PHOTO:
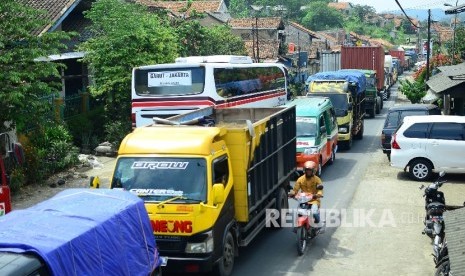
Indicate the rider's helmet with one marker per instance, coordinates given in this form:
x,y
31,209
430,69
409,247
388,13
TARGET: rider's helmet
x,y
310,165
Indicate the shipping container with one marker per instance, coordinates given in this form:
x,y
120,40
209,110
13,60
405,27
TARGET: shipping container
x,y
400,54
330,61
365,57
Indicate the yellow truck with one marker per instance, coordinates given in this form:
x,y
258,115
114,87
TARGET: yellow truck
x,y
346,89
208,178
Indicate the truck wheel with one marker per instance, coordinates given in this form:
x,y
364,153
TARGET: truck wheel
x,y
359,135
282,203
371,112
378,107
226,263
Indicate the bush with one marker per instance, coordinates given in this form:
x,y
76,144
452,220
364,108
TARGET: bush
x,y
116,131
48,150
87,128
17,180
414,91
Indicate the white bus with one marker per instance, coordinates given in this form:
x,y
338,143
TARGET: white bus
x,y
191,83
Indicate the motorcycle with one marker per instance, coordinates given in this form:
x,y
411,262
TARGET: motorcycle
x,y
435,206
303,227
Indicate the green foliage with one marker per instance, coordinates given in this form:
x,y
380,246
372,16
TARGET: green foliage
x,y
116,131
87,128
17,179
221,41
126,35
48,150
23,80
414,91
239,8
320,17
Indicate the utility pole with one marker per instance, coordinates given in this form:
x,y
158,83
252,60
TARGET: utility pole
x,y
428,44
455,27
298,57
253,43
256,34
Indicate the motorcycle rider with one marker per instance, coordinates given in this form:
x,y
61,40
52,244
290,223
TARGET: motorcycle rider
x,y
310,183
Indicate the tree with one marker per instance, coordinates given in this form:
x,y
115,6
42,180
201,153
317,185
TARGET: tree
x,y
221,41
26,82
320,17
362,11
125,35
239,8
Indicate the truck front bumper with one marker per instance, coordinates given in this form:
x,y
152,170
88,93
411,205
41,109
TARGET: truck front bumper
x,y
343,136
189,264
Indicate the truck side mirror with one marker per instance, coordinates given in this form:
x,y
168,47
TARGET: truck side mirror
x,y
94,182
218,193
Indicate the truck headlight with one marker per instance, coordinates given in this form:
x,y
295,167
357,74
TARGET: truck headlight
x,y
309,151
201,247
343,129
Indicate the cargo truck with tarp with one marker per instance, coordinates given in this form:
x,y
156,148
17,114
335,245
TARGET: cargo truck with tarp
x,y
208,178
346,89
80,232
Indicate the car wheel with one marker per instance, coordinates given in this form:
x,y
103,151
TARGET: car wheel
x,y
320,168
333,156
421,169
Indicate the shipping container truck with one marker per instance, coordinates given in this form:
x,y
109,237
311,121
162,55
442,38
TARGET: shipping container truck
x,y
367,58
400,54
330,61
346,89
207,178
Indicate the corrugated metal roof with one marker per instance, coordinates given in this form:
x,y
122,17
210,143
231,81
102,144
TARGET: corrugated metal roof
x,y
440,82
455,235
453,70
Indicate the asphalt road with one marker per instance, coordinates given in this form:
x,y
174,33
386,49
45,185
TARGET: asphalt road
x,y
274,252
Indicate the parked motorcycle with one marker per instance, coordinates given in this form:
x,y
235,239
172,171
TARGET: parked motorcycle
x,y
303,227
435,205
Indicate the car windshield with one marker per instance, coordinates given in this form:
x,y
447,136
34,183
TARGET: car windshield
x,y
306,126
160,179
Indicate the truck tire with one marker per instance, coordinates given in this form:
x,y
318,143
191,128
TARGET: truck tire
x,y
378,106
371,112
282,203
359,135
226,263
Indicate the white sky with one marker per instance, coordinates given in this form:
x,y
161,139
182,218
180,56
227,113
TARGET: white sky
x,y
391,5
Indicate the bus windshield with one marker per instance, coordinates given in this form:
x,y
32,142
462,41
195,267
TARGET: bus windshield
x,y
169,81
159,179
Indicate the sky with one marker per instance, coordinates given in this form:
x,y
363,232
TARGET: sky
x,y
391,5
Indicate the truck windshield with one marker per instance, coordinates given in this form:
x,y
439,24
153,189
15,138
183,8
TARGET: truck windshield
x,y
370,82
159,179
306,126
339,101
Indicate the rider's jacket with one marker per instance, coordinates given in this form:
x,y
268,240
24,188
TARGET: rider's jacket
x,y
308,185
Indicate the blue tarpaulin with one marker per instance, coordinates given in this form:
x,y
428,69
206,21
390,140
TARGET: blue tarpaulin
x,y
353,76
85,232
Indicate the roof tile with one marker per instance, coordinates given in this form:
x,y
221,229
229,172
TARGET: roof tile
x,y
262,22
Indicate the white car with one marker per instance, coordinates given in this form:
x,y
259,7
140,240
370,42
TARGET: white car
x,y
426,144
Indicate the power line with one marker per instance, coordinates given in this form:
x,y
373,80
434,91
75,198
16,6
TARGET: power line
x,y
402,9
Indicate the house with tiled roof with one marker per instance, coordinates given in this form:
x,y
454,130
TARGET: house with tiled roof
x,y
343,7
216,12
263,36
67,15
